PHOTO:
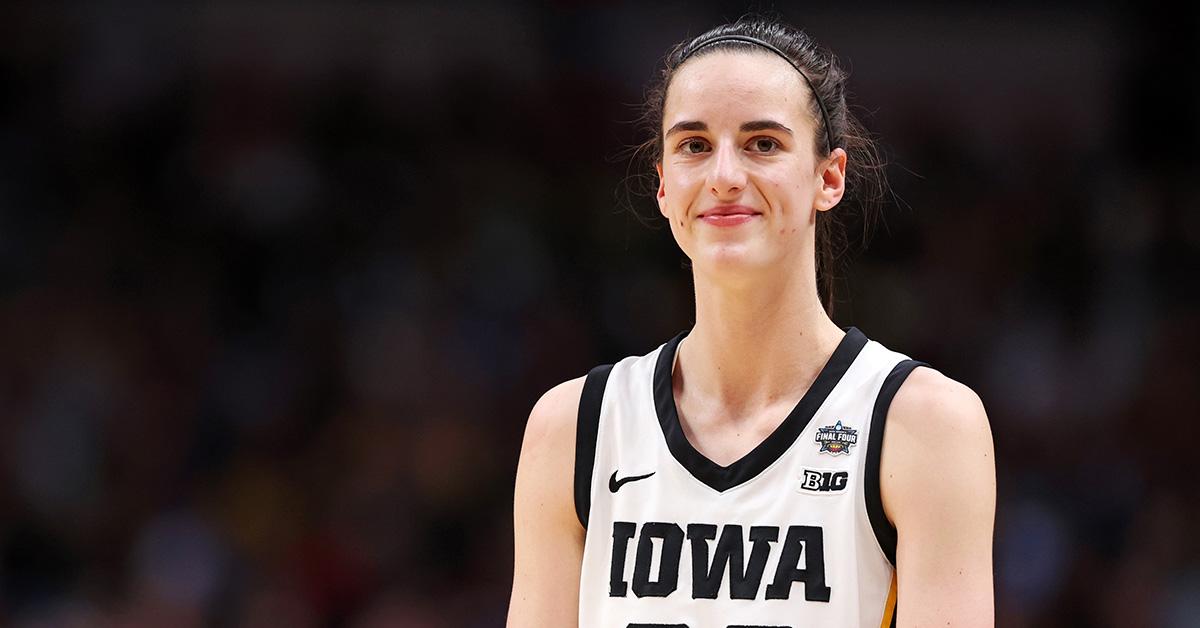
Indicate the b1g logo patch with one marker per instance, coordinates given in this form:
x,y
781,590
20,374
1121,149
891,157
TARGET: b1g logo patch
x,y
836,439
824,481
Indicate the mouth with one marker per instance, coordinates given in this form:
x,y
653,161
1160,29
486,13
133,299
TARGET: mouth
x,y
729,210
728,215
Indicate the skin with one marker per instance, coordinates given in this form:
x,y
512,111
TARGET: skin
x,y
738,133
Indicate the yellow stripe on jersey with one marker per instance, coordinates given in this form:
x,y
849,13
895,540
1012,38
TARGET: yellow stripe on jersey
x,y
889,607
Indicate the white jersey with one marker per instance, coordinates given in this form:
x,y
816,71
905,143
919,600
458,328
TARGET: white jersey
x,y
791,535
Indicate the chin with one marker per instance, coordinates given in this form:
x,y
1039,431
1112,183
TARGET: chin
x,y
732,260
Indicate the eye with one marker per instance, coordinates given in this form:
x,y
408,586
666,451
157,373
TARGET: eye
x,y
693,146
765,144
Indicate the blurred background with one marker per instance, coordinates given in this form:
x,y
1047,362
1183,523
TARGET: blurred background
x,y
279,284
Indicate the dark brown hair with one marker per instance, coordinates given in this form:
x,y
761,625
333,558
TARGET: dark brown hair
x,y
866,182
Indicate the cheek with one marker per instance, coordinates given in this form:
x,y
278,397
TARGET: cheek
x,y
790,202
794,194
680,194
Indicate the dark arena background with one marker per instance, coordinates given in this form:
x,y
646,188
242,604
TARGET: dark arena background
x,y
279,284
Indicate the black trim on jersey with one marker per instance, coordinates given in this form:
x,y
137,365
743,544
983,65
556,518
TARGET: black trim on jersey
x,y
885,533
724,478
585,438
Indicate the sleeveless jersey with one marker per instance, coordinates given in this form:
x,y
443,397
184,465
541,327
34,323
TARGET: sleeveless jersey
x,y
791,535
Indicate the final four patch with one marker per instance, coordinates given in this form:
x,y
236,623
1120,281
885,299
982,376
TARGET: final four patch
x,y
836,439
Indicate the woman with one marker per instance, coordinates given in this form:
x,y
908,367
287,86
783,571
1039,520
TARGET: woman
x,y
741,474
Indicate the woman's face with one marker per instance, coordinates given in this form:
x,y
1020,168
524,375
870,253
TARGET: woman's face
x,y
739,180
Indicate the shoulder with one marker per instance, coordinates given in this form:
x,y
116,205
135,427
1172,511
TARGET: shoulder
x,y
937,445
544,484
553,417
930,403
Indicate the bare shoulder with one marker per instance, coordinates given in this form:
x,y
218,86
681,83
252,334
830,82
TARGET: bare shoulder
x,y
929,403
545,471
937,436
552,421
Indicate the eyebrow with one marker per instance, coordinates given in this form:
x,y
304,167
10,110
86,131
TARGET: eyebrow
x,y
754,125
686,125
764,125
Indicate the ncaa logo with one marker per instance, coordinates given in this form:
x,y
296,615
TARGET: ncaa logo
x,y
823,481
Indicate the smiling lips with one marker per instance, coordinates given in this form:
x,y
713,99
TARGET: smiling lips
x,y
728,215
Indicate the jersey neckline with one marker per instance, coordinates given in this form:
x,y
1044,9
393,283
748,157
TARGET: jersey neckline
x,y
773,446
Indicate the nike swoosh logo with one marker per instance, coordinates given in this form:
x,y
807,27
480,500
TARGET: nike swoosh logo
x,y
615,485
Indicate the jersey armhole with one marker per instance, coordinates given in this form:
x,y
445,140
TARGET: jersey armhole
x,y
585,438
885,533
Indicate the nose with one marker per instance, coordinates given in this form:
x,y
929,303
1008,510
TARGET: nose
x,y
727,177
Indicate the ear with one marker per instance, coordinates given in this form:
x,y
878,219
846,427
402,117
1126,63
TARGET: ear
x,y
833,181
662,191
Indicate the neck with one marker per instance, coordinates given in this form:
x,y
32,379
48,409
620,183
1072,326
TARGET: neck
x,y
758,341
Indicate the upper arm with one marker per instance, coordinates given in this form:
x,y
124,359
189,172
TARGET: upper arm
x,y
938,485
547,534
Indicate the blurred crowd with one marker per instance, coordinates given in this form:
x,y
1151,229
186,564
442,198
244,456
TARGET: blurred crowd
x,y
279,285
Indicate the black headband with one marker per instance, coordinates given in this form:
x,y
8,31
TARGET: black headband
x,y
762,44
